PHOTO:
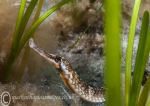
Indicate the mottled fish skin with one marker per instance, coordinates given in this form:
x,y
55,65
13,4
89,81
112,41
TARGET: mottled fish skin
x,y
70,77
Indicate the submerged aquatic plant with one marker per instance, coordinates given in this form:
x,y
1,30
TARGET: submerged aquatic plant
x,y
113,53
141,60
130,49
21,37
114,96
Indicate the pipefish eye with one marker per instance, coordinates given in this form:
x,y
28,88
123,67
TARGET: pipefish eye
x,y
58,59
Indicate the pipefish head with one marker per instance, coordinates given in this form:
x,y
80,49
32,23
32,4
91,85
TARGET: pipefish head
x,y
55,60
60,63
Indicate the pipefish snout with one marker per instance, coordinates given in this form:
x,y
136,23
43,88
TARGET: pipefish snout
x,y
70,77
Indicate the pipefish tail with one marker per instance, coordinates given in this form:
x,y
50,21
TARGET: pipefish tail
x,y
70,77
